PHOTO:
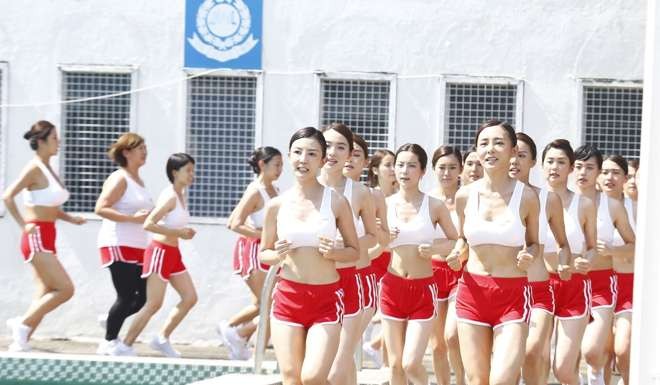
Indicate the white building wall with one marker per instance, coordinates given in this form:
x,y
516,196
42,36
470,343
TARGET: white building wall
x,y
548,45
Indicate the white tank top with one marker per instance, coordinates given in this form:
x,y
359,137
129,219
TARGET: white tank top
x,y
177,218
134,199
440,234
543,216
416,231
52,195
257,217
357,221
630,210
307,233
574,231
506,230
605,229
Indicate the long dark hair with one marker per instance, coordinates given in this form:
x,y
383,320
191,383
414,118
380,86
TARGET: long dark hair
x,y
262,153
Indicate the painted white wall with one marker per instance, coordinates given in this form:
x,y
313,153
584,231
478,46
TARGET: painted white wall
x,y
549,45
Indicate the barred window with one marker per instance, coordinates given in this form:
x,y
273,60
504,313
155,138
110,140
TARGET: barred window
x,y
89,128
613,119
468,105
221,122
363,105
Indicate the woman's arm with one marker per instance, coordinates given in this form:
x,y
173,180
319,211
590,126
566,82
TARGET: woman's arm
x,y
272,251
368,215
555,214
459,253
113,189
441,217
25,180
350,251
622,225
531,207
246,206
163,206
589,225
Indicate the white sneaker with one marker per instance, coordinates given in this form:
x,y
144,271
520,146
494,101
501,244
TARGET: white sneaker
x,y
373,354
102,319
16,348
236,344
244,353
19,333
105,346
163,345
595,377
121,349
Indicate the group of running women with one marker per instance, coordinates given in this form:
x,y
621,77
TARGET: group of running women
x,y
484,269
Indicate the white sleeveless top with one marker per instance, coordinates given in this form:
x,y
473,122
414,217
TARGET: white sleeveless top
x,y
52,196
605,229
357,221
257,217
630,210
416,231
307,233
440,234
573,229
134,199
177,218
543,216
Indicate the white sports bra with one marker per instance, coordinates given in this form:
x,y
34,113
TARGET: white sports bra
x,y
357,221
630,210
508,231
307,233
257,217
573,229
52,195
177,218
416,231
543,216
440,234
605,229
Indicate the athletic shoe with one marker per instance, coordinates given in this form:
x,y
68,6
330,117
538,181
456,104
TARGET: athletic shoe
x,y
105,346
16,348
242,354
121,349
237,345
373,354
20,334
595,377
163,345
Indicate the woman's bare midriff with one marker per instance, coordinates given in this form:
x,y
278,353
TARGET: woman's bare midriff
x,y
41,213
307,265
601,262
538,272
407,263
495,261
170,241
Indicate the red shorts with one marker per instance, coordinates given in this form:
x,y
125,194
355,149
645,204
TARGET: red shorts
x,y
624,298
124,254
350,283
42,240
446,279
603,288
305,305
493,301
162,259
369,286
572,297
246,257
380,264
404,299
543,298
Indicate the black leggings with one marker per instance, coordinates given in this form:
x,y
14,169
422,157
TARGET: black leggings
x,y
131,295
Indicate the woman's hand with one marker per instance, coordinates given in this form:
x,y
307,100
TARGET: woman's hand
x,y
140,216
326,247
282,248
186,233
424,251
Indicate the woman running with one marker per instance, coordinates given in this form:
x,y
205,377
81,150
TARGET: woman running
x,y
611,215
299,233
266,162
498,218
447,165
339,139
630,188
571,295
43,197
163,263
408,292
536,366
612,181
124,204
473,170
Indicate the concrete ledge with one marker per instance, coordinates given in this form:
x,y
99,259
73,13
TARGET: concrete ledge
x,y
242,379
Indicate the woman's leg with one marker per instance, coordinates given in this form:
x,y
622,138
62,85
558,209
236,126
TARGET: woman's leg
x,y
155,294
508,353
536,367
125,278
394,334
476,343
183,284
453,347
568,336
343,369
320,351
622,344
255,282
439,346
289,345
416,341
596,336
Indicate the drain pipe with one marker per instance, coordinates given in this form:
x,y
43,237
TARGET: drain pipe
x,y
264,315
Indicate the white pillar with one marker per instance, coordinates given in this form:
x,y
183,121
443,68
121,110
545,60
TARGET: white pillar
x,y
645,354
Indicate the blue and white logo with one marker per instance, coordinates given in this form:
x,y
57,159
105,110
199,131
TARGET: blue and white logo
x,y
219,33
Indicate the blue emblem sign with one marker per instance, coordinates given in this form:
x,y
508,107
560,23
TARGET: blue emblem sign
x,y
223,34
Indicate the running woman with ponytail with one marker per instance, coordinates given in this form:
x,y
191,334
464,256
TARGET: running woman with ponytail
x,y
536,366
408,292
299,233
124,204
163,263
447,166
498,221
571,296
43,196
339,139
611,216
266,162
613,178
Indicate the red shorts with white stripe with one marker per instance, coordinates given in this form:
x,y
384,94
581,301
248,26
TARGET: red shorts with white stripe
x,y
305,305
162,259
369,286
572,297
603,288
350,283
624,298
543,298
124,254
404,299
246,257
493,301
41,240
446,278
380,264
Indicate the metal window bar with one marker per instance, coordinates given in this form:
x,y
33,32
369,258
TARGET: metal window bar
x,y
613,119
221,125
468,105
89,128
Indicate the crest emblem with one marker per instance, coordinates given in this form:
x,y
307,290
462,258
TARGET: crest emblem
x,y
223,30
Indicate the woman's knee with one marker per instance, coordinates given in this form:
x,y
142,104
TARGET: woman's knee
x,y
412,366
438,345
189,300
66,291
565,374
152,306
451,340
313,377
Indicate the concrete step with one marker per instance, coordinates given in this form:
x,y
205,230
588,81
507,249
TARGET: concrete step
x,y
242,379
